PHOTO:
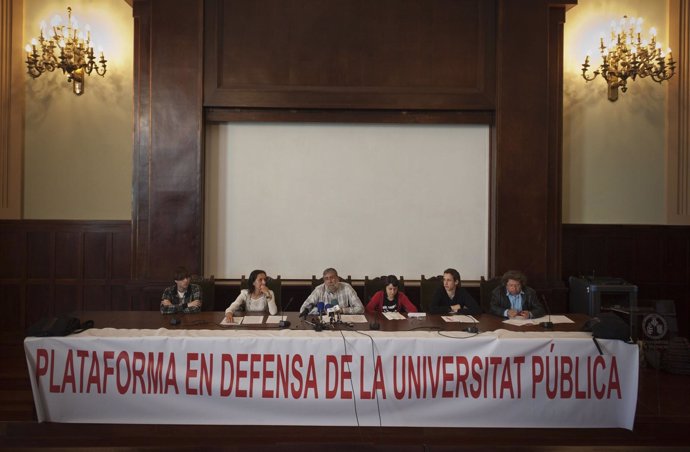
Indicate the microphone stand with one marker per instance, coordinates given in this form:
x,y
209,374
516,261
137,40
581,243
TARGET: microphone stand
x,y
548,325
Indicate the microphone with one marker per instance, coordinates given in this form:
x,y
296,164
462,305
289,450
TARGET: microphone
x,y
473,329
320,306
284,323
376,325
306,310
548,325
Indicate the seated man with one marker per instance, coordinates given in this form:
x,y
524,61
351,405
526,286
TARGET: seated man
x,y
453,299
514,299
333,292
181,297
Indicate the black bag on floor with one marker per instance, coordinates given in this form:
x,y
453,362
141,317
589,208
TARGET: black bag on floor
x,y
607,325
58,326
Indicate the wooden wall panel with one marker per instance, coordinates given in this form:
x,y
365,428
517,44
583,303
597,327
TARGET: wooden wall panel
x,y
57,266
97,297
168,181
67,254
96,255
385,54
121,268
11,296
40,253
13,255
655,258
39,302
66,298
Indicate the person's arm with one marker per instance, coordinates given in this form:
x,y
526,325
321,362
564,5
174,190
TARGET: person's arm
x,y
272,307
532,304
355,304
469,305
195,304
167,306
312,299
375,302
496,306
235,305
405,303
438,304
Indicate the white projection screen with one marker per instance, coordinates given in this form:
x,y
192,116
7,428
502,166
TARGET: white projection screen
x,y
293,199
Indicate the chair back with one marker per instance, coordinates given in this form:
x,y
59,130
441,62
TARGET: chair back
x,y
371,286
208,291
486,286
427,288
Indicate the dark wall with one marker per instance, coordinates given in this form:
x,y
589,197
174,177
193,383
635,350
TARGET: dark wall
x,y
655,258
49,267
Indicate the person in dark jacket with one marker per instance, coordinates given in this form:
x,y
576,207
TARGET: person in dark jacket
x,y
452,298
513,299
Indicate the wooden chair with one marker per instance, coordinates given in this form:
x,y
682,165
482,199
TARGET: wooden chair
x,y
208,291
427,288
486,286
371,286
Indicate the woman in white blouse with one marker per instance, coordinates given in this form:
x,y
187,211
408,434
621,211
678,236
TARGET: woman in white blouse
x,y
255,299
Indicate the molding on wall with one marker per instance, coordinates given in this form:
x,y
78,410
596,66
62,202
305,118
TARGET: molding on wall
x,y
678,117
12,79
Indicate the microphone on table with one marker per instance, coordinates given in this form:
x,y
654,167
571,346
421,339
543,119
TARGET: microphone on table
x,y
474,328
284,323
306,310
376,325
548,325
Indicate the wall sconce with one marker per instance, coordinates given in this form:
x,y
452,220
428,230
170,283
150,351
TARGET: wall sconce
x,y
627,56
76,56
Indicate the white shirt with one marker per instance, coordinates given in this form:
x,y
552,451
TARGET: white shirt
x,y
346,296
254,304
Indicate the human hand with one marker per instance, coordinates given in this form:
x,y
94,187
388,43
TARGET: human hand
x,y
524,314
166,303
228,316
195,303
455,308
512,313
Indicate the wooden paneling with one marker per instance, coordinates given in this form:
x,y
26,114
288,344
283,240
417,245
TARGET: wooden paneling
x,y
168,171
655,258
52,267
525,162
356,54
67,253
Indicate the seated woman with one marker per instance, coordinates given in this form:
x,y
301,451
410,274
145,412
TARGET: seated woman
x,y
255,299
392,300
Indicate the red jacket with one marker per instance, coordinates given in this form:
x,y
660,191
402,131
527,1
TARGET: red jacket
x,y
376,303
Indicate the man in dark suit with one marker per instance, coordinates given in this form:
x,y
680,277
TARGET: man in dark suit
x,y
513,299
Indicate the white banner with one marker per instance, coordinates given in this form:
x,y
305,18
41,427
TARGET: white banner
x,y
422,379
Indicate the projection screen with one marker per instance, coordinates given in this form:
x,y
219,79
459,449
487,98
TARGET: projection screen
x,y
293,199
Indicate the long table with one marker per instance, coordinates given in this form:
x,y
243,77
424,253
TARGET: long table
x,y
137,367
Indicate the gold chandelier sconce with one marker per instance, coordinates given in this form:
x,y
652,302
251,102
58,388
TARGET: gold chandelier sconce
x,y
64,47
627,56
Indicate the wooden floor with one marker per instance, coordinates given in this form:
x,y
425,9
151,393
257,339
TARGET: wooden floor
x,y
662,422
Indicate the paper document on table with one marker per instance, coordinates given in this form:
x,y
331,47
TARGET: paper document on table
x,y
274,319
353,318
234,322
553,319
253,320
459,318
394,316
412,315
